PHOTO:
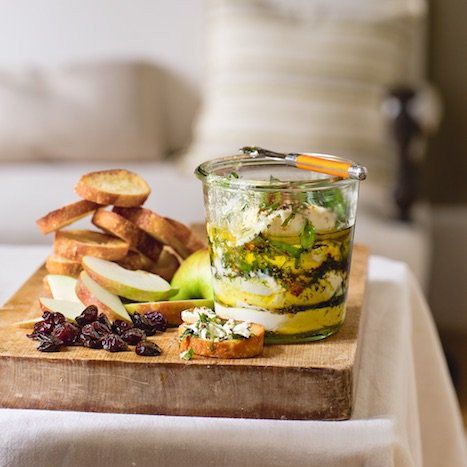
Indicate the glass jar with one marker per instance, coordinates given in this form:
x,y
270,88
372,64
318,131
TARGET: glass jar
x,y
280,242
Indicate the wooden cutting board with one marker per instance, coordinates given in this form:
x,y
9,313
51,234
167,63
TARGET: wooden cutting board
x,y
309,381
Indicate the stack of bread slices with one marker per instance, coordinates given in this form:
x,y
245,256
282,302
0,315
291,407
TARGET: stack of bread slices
x,y
133,236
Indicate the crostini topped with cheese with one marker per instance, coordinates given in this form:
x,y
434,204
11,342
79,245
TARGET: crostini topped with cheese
x,y
205,333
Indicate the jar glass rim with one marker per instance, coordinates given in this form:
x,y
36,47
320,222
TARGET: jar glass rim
x,y
206,172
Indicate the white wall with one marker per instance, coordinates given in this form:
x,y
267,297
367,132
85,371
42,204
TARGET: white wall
x,y
167,33
55,31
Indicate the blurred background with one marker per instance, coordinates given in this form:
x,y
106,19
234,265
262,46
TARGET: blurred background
x,y
159,86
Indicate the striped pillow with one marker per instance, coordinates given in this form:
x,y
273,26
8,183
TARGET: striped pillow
x,y
300,83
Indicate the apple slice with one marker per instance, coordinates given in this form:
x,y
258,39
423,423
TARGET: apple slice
x,y
61,287
194,278
68,309
27,323
171,310
141,286
91,293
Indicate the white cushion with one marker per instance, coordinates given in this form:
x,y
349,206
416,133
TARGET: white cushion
x,y
301,83
94,111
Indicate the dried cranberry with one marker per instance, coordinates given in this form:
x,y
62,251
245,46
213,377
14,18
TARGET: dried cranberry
x,y
66,332
150,322
102,318
89,342
141,322
114,343
95,330
41,328
119,326
155,320
133,335
53,317
49,344
137,321
148,349
87,316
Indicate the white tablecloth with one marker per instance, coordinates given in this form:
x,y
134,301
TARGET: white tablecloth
x,y
405,414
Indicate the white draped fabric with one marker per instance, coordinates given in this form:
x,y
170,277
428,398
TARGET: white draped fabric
x,y
405,414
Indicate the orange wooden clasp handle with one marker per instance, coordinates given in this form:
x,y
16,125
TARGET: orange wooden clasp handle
x,y
323,165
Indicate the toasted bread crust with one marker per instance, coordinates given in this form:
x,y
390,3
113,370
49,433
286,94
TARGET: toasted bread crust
x,y
113,187
134,260
65,215
156,226
74,244
186,235
232,348
167,264
45,284
137,239
56,264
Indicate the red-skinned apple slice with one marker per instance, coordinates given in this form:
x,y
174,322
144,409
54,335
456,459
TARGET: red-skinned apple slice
x,y
171,310
91,293
141,286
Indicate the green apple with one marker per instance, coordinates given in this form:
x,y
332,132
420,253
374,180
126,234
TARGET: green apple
x,y
67,308
171,310
61,287
91,293
193,278
141,286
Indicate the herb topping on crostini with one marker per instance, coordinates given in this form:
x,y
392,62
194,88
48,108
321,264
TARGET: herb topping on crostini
x,y
204,323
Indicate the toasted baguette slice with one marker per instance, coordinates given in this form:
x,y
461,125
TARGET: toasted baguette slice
x,y
74,244
167,264
56,264
119,187
156,226
165,267
186,235
134,260
231,348
137,239
65,215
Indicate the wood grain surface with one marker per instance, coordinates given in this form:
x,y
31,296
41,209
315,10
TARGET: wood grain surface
x,y
305,381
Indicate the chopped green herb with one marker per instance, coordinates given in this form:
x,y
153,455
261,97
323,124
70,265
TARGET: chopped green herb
x,y
307,237
286,248
273,179
185,333
270,202
244,266
187,354
203,318
233,175
332,199
288,219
